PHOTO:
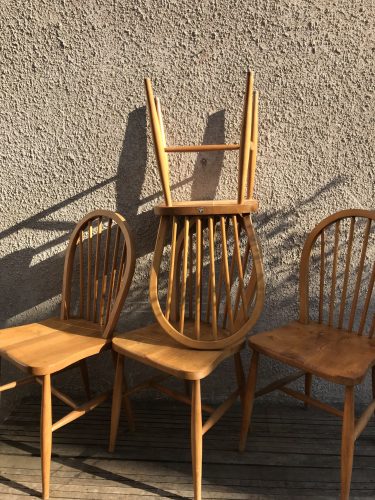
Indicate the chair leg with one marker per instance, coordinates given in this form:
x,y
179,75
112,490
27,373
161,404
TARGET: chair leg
x,y
240,377
373,382
196,438
116,402
46,434
347,443
249,400
308,384
85,377
125,400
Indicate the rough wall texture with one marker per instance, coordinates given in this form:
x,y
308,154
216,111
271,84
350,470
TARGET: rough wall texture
x,y
74,133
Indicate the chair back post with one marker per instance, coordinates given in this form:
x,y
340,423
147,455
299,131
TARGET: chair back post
x,y
159,141
338,283
246,136
106,268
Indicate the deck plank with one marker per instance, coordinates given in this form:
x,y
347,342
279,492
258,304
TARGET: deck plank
x,y
291,454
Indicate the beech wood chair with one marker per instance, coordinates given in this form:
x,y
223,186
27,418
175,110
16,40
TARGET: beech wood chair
x,y
337,274
104,274
206,287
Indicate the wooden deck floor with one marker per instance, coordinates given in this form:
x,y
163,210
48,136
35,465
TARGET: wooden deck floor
x,y
291,454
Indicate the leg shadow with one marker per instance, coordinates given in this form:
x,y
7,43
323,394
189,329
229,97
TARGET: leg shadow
x,y
208,166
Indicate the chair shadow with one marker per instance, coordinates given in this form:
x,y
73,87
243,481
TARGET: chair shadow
x,y
79,464
208,167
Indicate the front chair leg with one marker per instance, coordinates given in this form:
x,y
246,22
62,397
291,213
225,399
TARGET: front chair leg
x,y
249,399
347,443
46,434
116,401
196,438
125,400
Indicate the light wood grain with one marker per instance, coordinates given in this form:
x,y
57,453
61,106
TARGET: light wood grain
x,y
172,268
335,354
254,146
249,399
245,142
196,438
212,288
347,444
116,402
202,147
55,344
159,144
346,273
207,207
198,278
334,273
220,337
338,356
46,434
359,274
184,275
151,346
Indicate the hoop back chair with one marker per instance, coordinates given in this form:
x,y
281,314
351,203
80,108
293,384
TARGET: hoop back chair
x,y
333,338
206,284
100,255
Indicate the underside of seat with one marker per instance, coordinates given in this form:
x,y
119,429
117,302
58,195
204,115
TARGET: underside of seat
x,y
335,355
152,346
51,345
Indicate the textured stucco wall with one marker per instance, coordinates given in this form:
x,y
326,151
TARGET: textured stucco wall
x,y
74,134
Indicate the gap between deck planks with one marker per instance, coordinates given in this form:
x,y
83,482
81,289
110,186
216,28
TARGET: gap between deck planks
x,y
290,454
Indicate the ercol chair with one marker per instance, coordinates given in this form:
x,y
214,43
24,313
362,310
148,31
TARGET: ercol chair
x,y
101,247
208,262
337,274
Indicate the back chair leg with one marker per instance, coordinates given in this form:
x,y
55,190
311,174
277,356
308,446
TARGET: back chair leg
x,y
116,401
46,434
249,400
196,438
85,377
347,443
240,377
308,384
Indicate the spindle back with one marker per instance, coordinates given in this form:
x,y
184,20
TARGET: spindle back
x,y
212,270
99,267
337,272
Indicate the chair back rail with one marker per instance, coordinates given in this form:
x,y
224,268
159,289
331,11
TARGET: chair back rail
x,y
338,271
215,288
100,260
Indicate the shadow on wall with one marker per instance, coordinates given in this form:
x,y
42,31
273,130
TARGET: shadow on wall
x,y
28,285
206,176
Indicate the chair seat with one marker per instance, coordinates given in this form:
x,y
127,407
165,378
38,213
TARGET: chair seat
x,y
152,346
335,355
51,345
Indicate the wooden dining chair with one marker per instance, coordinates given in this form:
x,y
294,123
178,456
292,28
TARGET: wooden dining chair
x,y
206,288
98,269
333,337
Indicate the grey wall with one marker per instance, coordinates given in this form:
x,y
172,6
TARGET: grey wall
x,y
74,133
